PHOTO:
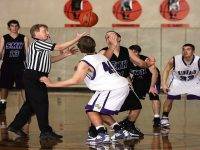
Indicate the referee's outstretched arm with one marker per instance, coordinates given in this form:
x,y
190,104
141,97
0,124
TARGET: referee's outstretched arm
x,y
67,44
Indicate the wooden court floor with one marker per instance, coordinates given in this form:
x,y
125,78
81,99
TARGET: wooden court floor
x,y
68,118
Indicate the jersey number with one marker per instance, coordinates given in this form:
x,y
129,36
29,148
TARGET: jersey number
x,y
107,67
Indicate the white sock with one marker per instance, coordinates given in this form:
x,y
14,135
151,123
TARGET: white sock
x,y
100,127
112,126
3,100
156,116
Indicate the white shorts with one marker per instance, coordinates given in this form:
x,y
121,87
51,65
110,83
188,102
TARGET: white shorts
x,y
108,102
178,87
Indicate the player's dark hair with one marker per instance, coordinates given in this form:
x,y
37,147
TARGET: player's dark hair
x,y
12,22
190,45
136,48
86,44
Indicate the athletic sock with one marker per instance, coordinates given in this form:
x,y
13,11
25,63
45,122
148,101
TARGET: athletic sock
x,y
101,129
116,127
2,100
156,116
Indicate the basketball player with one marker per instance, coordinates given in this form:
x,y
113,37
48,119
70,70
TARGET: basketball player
x,y
95,69
184,79
146,80
120,59
13,48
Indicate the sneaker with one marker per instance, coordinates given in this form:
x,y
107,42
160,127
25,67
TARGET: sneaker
x,y
2,107
101,138
121,134
18,132
130,127
92,132
156,122
165,122
135,132
50,136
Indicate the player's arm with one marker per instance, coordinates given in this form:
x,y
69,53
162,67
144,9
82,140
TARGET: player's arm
x,y
1,47
78,77
154,77
26,44
166,71
139,62
67,44
64,54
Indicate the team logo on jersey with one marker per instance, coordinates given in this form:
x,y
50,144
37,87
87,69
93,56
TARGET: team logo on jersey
x,y
187,75
14,45
120,64
97,106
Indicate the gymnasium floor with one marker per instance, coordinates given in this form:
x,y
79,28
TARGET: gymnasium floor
x,y
67,117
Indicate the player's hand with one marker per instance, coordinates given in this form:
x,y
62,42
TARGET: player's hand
x,y
79,35
165,88
150,61
153,90
45,80
70,51
112,40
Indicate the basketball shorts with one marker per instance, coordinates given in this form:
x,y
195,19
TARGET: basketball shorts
x,y
132,102
178,87
107,102
141,88
12,74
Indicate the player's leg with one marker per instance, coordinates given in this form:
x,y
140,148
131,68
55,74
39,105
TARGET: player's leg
x,y
132,103
6,83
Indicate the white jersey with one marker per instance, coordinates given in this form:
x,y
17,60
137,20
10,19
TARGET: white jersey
x,y
183,71
104,76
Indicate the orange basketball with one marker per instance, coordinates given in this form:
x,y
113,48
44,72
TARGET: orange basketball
x,y
88,19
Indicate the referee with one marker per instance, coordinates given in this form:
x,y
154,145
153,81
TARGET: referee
x,y
38,64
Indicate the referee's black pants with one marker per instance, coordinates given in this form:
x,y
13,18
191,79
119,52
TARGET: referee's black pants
x,y
36,102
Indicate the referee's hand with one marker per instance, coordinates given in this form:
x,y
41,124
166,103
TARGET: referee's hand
x,y
69,51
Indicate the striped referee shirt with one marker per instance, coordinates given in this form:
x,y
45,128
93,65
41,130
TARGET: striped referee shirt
x,y
38,56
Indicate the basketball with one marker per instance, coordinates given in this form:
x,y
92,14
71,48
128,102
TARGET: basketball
x,y
88,19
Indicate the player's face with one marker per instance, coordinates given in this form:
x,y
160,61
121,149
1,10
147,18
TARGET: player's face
x,y
42,34
14,28
187,52
111,33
